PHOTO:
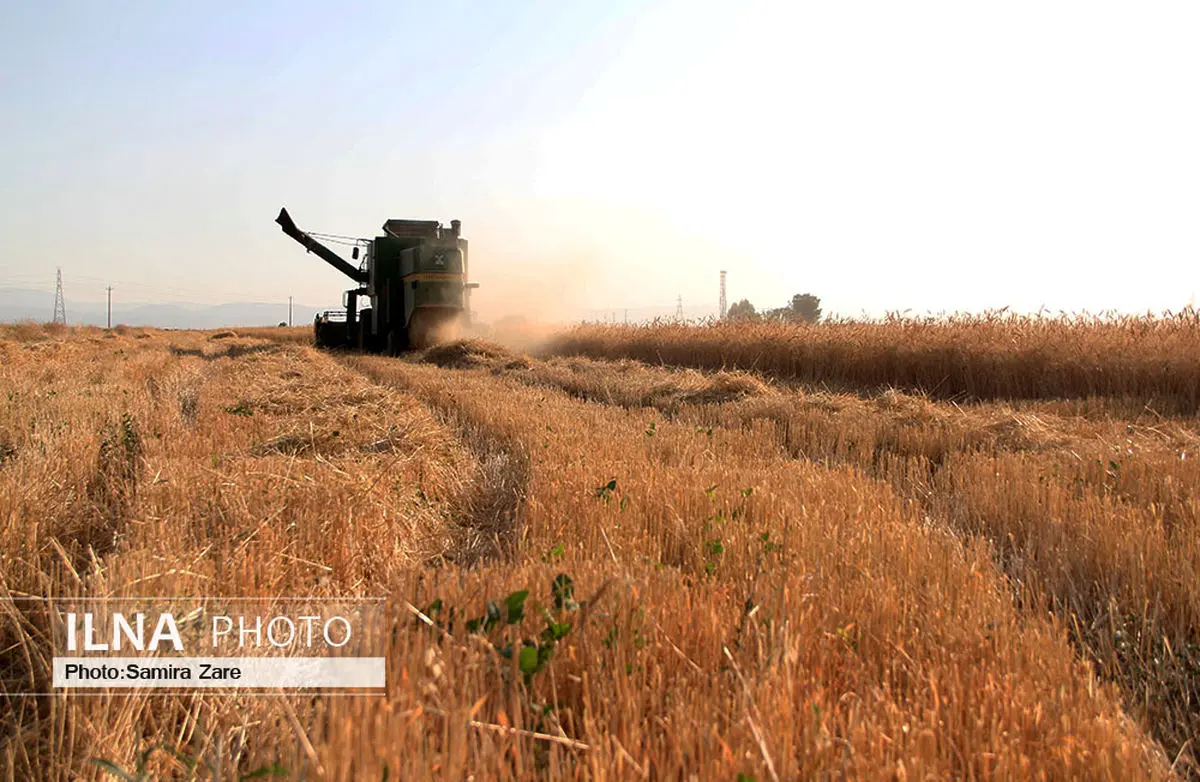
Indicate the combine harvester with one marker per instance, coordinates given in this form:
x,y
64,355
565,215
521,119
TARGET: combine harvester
x,y
415,278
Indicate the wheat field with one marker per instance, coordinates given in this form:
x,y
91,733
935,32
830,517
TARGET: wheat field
x,y
963,548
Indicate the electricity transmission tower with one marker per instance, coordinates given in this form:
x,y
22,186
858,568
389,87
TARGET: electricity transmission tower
x,y
60,306
722,306
679,306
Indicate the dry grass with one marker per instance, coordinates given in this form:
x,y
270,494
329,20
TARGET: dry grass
x,y
779,583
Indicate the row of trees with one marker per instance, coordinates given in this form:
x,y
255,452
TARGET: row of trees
x,y
803,307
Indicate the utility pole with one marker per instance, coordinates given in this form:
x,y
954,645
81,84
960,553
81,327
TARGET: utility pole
x,y
289,310
60,306
110,306
722,295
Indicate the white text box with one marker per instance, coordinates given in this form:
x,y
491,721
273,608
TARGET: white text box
x,y
219,672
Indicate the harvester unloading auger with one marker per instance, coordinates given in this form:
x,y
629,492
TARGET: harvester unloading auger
x,y
415,278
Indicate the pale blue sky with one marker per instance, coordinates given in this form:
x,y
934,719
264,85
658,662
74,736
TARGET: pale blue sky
x,y
916,155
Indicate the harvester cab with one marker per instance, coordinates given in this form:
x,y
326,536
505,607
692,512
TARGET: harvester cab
x,y
413,279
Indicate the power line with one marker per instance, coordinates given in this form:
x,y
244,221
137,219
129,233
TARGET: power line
x,y
101,283
96,285
159,289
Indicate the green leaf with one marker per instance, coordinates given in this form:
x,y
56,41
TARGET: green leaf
x,y
516,606
564,592
528,660
556,631
747,492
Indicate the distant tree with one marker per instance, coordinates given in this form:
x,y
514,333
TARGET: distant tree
x,y
803,307
282,324
806,306
742,310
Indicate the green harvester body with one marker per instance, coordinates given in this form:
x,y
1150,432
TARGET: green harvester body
x,y
412,288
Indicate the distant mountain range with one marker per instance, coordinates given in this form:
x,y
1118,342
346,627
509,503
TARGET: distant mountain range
x,y
18,304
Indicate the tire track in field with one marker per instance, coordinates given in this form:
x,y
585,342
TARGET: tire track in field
x,y
491,514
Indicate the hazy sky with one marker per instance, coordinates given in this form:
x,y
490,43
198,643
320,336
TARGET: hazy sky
x,y
882,155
